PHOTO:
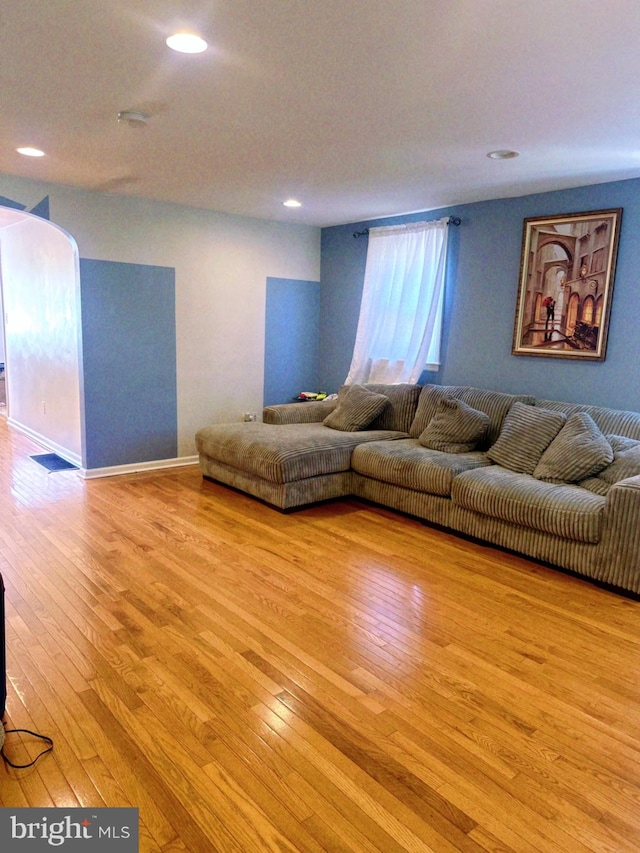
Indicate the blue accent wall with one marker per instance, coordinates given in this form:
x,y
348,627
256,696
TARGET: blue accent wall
x,y
129,363
15,205
291,339
480,302
41,209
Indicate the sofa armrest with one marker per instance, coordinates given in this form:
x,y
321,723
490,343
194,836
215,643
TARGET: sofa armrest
x,y
298,413
619,562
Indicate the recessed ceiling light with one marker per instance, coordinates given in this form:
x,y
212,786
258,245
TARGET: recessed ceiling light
x,y
503,154
187,43
132,118
30,152
292,202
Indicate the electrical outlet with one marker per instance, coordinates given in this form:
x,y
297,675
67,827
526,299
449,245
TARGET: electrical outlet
x,y
44,408
250,417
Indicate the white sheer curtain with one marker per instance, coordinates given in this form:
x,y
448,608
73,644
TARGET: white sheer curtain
x,y
401,310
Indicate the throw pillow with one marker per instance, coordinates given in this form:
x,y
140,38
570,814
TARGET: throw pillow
x,y
526,433
579,451
626,459
357,408
455,427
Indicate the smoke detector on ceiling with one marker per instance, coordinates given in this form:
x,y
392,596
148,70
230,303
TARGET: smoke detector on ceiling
x,y
503,154
132,118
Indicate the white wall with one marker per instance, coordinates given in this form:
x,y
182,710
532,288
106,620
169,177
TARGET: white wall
x,y
41,306
222,263
1,311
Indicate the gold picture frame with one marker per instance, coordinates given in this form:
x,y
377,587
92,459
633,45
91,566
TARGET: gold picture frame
x,y
566,284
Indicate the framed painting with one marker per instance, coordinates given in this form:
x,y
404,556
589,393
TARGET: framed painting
x,y
566,284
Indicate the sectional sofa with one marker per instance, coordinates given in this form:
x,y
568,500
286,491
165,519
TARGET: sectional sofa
x,y
558,482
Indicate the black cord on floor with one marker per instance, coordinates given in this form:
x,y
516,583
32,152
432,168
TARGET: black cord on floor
x,y
27,732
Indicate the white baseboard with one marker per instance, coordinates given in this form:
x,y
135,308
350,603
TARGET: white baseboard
x,y
46,443
137,467
93,473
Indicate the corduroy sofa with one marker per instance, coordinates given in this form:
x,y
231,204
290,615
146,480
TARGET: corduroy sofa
x,y
558,482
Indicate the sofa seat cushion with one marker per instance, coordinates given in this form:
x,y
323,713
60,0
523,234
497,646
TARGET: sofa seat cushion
x,y
287,452
567,511
407,463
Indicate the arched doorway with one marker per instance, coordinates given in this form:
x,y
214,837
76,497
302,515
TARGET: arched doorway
x,y
40,279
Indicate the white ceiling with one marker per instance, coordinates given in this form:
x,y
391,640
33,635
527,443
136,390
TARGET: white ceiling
x,y
358,108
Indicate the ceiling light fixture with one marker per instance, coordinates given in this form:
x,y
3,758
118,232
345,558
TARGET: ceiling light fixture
x,y
132,118
187,43
28,151
503,154
292,202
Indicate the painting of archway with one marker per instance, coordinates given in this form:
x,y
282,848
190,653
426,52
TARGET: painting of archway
x,y
566,284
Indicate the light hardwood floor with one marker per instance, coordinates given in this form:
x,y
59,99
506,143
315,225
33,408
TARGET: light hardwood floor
x,y
338,679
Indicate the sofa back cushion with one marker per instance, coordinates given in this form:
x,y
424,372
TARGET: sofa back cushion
x,y
609,421
401,406
496,404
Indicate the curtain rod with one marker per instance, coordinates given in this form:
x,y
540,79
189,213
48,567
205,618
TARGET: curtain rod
x,y
453,220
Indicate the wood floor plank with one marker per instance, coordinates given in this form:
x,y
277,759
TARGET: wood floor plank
x,y
341,678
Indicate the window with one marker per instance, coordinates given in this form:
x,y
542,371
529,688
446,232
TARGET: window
x,y
400,321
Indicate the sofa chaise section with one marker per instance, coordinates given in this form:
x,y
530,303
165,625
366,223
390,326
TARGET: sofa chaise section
x,y
287,465
301,452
